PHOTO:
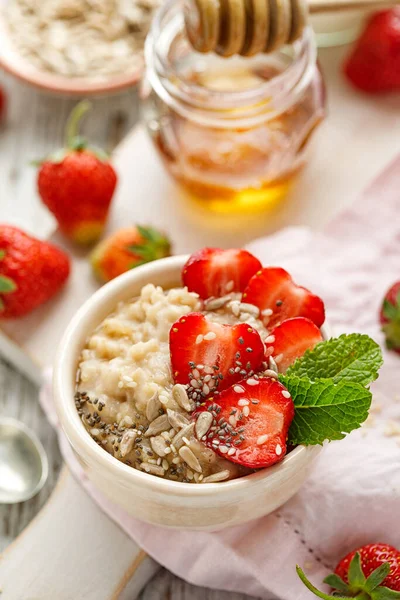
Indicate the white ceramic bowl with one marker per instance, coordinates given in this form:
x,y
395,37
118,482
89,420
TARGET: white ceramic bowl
x,y
208,506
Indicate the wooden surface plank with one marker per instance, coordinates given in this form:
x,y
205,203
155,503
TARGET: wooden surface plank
x,y
34,127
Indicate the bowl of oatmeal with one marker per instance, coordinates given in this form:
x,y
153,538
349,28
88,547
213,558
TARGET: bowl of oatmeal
x,y
75,47
168,392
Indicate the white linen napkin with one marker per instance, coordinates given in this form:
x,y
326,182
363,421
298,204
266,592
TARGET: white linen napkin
x,y
353,494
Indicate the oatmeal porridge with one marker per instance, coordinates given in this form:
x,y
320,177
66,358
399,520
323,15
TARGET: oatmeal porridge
x,y
126,395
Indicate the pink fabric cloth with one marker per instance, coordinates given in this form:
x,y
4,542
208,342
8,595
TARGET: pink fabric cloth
x,y
353,494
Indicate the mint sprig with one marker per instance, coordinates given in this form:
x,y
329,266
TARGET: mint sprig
x,y
328,388
354,357
325,410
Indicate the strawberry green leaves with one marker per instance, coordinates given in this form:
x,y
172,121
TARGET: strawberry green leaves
x,y
325,410
328,388
359,587
353,357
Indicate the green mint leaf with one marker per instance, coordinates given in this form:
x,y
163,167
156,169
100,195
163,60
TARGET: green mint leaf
x,y
7,285
354,357
325,410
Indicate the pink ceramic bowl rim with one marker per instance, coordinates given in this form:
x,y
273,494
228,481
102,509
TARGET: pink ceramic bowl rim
x,y
85,320
15,64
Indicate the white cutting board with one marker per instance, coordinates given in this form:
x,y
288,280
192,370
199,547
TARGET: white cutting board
x,y
359,138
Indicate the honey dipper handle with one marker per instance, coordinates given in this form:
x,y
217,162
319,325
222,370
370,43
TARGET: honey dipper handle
x,y
321,6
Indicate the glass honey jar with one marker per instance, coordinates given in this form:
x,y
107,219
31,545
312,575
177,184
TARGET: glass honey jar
x,y
232,131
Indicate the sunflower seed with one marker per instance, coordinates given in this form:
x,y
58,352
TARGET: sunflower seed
x,y
186,432
128,439
249,308
203,424
176,420
220,476
216,303
157,426
179,394
153,407
153,469
190,459
159,445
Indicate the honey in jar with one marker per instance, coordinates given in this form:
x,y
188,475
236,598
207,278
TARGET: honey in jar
x,y
232,131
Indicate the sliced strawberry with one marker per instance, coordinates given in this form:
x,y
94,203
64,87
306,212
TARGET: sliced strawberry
x,y
216,272
253,418
289,340
209,356
273,289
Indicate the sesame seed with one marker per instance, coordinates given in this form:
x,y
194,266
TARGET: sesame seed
x,y
206,389
243,402
208,370
278,358
199,339
278,449
270,339
215,442
237,370
223,449
241,340
211,335
196,373
246,411
207,378
252,381
194,383
286,394
232,420
200,367
267,312
230,285
262,439
231,451
238,389
270,373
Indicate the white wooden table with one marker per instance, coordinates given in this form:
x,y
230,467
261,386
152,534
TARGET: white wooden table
x,y
34,127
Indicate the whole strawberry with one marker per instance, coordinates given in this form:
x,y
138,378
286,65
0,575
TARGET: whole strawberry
x,y
371,572
390,317
31,272
374,64
77,184
126,249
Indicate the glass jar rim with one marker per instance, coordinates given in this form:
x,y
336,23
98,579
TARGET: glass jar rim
x,y
203,103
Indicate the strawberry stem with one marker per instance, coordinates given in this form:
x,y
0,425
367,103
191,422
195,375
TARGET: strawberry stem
x,y
72,138
319,594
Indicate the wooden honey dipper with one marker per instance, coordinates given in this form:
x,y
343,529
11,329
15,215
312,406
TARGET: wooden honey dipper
x,y
248,27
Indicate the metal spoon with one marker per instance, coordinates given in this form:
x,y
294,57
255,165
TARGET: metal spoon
x,y
23,462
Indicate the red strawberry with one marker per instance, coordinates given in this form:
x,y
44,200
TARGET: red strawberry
x,y
289,341
390,317
253,418
215,272
371,572
77,185
126,249
208,355
31,272
374,64
273,289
